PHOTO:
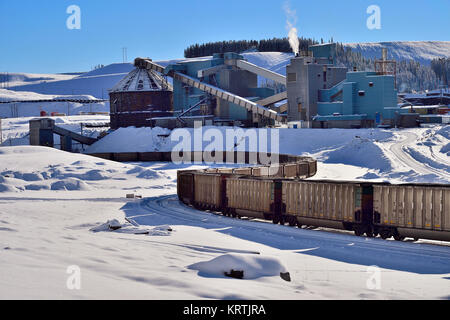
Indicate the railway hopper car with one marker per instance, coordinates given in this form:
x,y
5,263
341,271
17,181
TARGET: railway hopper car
x,y
185,186
281,194
253,197
209,191
415,211
331,204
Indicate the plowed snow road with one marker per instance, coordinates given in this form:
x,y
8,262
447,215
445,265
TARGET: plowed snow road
x,y
398,150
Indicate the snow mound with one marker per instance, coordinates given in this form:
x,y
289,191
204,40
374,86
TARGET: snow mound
x,y
254,266
445,132
5,186
361,153
446,149
130,139
149,174
70,184
115,226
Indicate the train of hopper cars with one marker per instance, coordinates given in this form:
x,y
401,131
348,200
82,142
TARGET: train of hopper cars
x,y
281,194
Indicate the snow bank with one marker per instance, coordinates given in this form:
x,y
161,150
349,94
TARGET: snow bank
x,y
254,266
292,141
40,168
130,139
354,154
70,184
361,153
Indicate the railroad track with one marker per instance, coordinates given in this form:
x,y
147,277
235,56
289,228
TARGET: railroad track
x,y
332,245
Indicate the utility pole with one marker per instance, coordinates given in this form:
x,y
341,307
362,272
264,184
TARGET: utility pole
x,y
124,55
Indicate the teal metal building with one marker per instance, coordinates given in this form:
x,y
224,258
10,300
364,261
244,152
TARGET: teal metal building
x,y
363,98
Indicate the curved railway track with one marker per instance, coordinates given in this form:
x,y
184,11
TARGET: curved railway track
x,y
324,243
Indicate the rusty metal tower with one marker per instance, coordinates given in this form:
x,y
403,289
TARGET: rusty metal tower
x,y
386,67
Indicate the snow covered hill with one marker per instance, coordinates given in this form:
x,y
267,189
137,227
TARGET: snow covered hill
x,y
420,51
95,83
23,79
28,109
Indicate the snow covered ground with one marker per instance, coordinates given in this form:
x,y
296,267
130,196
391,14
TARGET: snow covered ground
x,y
53,210
56,210
412,155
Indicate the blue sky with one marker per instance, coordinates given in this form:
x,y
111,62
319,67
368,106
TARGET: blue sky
x,y
35,38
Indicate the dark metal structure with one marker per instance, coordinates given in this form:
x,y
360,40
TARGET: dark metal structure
x,y
141,95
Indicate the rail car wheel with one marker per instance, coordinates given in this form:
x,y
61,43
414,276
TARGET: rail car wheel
x,y
299,225
398,237
276,220
416,239
358,232
292,221
385,234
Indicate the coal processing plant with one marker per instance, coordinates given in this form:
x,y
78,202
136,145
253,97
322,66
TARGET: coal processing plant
x,y
223,90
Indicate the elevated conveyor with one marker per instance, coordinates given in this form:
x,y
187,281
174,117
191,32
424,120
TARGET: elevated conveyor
x,y
273,99
214,91
75,136
244,65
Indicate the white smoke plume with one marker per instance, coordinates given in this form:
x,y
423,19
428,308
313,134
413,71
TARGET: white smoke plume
x,y
291,21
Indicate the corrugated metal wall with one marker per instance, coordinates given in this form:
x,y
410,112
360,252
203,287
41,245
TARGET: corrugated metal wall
x,y
321,200
252,195
208,189
413,207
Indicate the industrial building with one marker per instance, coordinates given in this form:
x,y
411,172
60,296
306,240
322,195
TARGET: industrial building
x,y
307,74
141,95
321,95
223,90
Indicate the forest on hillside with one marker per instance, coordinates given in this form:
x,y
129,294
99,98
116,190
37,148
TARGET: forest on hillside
x,y
411,75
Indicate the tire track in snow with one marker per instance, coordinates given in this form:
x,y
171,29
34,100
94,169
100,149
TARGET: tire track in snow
x,y
406,159
288,238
